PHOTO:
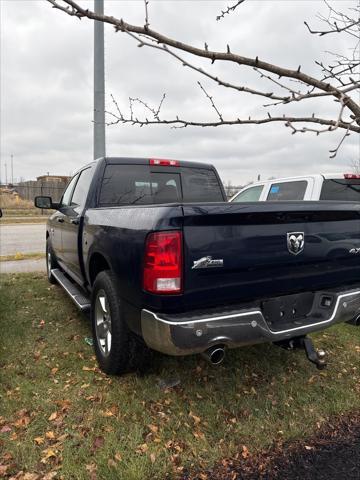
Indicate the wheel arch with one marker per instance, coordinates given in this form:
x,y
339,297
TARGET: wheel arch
x,y
97,264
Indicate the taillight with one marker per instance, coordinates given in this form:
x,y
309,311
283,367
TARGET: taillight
x,y
164,163
163,263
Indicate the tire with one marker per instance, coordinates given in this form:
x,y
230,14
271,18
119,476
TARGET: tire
x,y
117,349
50,263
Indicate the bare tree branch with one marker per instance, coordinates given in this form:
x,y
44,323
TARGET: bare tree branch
x,y
182,123
212,102
338,80
337,22
146,2
229,9
121,25
335,150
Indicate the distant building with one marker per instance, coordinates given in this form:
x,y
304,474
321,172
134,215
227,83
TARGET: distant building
x,y
53,178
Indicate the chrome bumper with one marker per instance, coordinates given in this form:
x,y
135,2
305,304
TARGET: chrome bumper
x,y
195,334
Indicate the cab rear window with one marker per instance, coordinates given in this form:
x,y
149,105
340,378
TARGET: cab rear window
x,y
139,185
341,190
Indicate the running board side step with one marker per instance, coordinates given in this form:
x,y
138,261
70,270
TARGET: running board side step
x,y
75,293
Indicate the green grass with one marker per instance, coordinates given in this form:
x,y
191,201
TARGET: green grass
x,y
128,427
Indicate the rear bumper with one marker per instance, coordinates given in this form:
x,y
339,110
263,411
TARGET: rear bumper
x,y
188,334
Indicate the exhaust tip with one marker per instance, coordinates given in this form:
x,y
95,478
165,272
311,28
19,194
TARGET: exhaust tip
x,y
214,355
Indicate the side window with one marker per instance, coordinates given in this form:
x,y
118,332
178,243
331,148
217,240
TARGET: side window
x,y
251,194
82,188
288,191
65,201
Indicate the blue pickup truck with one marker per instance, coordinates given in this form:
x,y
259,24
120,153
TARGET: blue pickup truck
x,y
163,262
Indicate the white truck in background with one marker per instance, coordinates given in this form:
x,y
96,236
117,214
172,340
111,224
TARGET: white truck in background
x,y
337,187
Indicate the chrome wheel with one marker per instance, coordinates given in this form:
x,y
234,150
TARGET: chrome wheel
x,y
103,322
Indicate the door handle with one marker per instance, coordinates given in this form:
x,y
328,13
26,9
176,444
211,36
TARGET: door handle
x,y
75,221
60,220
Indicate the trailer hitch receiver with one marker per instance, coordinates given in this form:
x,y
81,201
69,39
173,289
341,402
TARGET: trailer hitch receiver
x,y
317,357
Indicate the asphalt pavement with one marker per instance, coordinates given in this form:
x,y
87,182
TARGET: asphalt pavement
x,y
22,238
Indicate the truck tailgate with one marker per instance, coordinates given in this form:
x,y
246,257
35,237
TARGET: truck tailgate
x,y
268,249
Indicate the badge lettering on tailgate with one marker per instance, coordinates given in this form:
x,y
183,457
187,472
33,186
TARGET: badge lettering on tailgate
x,y
207,262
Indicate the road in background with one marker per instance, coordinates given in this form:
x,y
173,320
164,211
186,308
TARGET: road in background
x,y
22,238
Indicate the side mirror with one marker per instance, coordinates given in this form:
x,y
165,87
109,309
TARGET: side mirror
x,y
43,202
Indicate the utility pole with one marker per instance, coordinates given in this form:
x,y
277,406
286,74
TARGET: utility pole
x,y
12,169
99,83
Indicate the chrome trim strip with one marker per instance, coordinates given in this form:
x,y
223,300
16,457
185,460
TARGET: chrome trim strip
x,y
212,319
255,312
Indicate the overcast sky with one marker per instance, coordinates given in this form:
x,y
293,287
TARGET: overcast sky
x,y
46,87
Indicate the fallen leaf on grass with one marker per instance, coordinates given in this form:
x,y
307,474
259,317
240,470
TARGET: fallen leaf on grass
x,y
50,435
7,457
118,456
53,416
153,428
63,404
111,463
196,419
30,476
3,470
142,448
39,440
97,443
54,370
245,452
49,475
89,369
22,422
91,468
37,355
5,429
110,412
48,453
62,438
152,457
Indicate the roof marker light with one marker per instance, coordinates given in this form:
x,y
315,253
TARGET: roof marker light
x,y
164,163
349,176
